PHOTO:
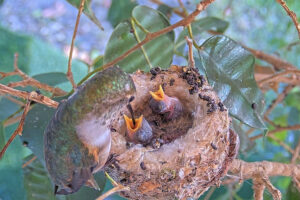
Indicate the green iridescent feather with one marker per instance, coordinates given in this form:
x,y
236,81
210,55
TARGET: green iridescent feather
x,y
100,96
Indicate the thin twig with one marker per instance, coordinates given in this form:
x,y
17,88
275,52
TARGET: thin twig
x,y
32,96
33,82
13,120
184,10
12,99
281,143
276,194
175,10
275,76
133,22
69,72
150,36
27,80
19,129
29,161
291,14
296,153
117,188
191,56
273,60
287,128
279,99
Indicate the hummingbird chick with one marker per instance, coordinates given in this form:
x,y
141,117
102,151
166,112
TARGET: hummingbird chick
x,y
138,129
161,103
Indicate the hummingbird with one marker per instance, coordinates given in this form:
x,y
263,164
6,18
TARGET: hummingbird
x,y
138,129
160,103
77,140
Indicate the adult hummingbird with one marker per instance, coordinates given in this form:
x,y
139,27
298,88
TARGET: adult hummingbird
x,y
77,139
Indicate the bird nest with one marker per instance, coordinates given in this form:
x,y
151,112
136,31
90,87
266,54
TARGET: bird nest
x,y
186,155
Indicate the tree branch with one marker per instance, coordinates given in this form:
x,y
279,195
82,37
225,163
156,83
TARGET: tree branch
x,y
27,95
191,56
275,76
260,173
281,143
251,169
175,10
19,129
29,162
278,129
27,80
291,14
258,189
273,60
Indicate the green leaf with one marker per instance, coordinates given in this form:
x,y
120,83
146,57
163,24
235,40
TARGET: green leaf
x,y
38,184
11,178
293,99
229,70
98,62
7,108
119,11
166,10
36,181
33,131
199,26
51,78
87,10
292,192
159,51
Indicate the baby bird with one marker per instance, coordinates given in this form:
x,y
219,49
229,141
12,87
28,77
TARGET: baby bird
x,y
138,129
169,107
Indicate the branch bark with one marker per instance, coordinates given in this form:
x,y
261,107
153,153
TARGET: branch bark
x,y
251,169
260,173
273,60
27,80
19,129
291,14
27,95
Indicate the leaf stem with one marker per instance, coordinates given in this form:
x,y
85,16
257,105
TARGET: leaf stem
x,y
132,21
69,72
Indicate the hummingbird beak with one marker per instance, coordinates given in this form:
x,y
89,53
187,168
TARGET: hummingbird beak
x,y
92,183
159,95
80,177
132,127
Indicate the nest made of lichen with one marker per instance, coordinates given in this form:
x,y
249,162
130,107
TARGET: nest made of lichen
x,y
186,155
